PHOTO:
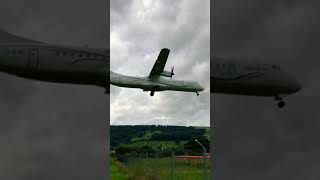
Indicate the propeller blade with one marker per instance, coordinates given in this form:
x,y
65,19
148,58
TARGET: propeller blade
x,y
172,68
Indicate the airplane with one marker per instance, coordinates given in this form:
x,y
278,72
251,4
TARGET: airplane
x,y
231,76
155,81
82,65
53,63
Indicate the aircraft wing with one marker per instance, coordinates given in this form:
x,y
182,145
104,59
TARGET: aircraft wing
x,y
6,37
160,63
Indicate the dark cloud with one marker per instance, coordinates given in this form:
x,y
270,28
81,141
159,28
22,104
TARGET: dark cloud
x,y
254,139
47,130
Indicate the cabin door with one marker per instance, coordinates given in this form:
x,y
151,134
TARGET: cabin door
x,y
33,59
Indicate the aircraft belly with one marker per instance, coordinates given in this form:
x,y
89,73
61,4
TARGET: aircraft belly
x,y
149,86
180,88
243,88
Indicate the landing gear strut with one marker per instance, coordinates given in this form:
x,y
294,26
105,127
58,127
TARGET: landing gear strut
x,y
281,103
197,93
151,93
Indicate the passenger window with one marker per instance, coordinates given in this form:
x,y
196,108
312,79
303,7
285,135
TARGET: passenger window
x,y
232,68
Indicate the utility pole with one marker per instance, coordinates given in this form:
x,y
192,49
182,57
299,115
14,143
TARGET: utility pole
x,y
204,160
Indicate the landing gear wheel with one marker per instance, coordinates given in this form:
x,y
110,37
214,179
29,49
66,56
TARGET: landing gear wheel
x,y
281,104
197,93
152,93
277,98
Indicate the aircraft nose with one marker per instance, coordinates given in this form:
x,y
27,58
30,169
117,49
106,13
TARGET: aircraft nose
x,y
201,88
296,86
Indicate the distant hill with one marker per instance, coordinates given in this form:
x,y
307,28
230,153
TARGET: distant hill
x,y
152,135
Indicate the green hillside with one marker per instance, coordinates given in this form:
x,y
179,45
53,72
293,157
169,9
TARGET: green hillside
x,y
148,138
128,134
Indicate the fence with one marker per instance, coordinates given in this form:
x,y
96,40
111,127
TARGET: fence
x,y
167,163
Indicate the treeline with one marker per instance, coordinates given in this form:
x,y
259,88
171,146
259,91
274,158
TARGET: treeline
x,y
190,147
124,134
163,140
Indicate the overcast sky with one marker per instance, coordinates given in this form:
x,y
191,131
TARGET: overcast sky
x,y
139,30
255,139
47,130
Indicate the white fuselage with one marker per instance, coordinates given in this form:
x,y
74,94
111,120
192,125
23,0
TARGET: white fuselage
x,y
36,60
56,63
91,66
256,79
157,84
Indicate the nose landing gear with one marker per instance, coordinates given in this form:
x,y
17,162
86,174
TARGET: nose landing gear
x,y
151,93
281,103
197,93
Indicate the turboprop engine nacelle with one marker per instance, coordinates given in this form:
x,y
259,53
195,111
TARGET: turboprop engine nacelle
x,y
166,74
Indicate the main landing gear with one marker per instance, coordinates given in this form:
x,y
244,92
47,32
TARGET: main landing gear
x,y
197,93
151,93
281,103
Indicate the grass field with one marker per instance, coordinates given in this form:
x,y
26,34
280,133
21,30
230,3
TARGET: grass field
x,y
150,169
115,171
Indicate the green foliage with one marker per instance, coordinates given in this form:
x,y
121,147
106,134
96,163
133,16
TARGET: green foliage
x,y
161,169
148,135
193,145
128,140
129,134
115,172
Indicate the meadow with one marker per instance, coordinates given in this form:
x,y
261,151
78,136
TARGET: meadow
x,y
162,168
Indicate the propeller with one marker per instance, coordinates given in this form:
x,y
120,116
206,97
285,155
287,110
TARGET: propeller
x,y
172,68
